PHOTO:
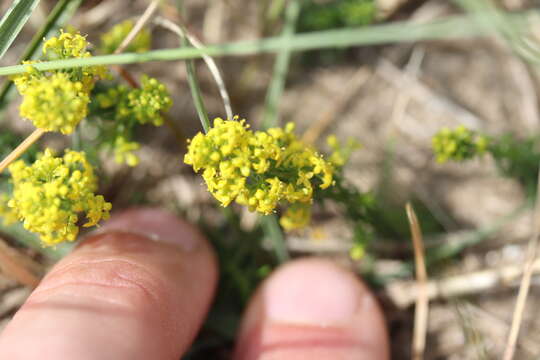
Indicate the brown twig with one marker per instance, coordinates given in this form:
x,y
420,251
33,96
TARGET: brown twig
x,y
404,293
19,150
525,285
422,299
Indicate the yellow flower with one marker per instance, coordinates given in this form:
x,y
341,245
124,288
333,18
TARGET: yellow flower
x,y
147,103
296,216
70,45
58,100
458,144
357,252
55,103
341,153
144,105
66,45
114,37
123,151
50,194
8,215
257,169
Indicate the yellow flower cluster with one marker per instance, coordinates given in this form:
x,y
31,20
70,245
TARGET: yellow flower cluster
x,y
257,169
143,105
55,103
49,194
296,216
341,153
123,151
58,100
66,45
458,144
147,103
114,37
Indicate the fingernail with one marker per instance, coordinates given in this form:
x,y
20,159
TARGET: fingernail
x,y
314,293
155,224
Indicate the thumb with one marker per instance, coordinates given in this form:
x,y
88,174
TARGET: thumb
x,y
137,290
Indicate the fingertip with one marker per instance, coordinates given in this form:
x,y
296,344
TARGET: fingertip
x,y
312,308
139,288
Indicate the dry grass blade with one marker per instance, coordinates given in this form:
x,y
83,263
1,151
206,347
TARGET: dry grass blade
x,y
422,300
404,293
19,150
210,63
525,285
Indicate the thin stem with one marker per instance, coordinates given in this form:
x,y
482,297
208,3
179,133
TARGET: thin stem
x,y
273,232
422,300
150,10
525,285
210,63
281,67
450,27
19,150
196,93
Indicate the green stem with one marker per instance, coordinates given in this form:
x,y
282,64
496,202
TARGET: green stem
x,y
272,230
196,91
61,8
451,27
281,67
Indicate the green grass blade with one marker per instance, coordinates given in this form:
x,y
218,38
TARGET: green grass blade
x,y
13,21
447,28
270,224
281,67
196,92
517,34
59,15
272,230
197,97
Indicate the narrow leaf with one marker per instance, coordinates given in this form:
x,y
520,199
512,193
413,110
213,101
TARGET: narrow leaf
x,y
13,21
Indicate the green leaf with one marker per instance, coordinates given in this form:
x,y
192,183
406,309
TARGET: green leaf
x,y
13,21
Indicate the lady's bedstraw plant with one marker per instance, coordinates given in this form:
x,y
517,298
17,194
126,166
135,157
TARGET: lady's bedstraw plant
x,y
260,169
53,194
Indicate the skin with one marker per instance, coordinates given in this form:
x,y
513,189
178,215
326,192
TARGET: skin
x,y
141,287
